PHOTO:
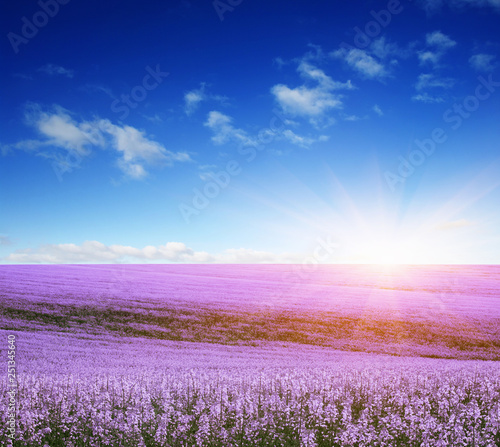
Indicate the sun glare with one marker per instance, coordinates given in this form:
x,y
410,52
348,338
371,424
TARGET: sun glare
x,y
385,247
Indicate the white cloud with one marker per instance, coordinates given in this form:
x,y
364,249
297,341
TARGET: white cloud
x,y
430,81
54,70
194,98
97,252
383,49
352,118
310,101
154,118
304,101
482,62
137,149
428,99
378,110
280,62
429,57
59,131
376,61
298,140
363,63
309,71
480,3
439,40
437,43
224,131
98,88
427,80
432,6
207,166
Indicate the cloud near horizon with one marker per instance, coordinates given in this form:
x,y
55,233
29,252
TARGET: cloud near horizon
x,y
97,252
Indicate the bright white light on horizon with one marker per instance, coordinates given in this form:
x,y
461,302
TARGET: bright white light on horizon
x,y
385,245
380,249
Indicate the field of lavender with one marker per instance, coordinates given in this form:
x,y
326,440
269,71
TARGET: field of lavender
x,y
434,311
251,356
95,392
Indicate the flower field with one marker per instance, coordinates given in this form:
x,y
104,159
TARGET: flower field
x,y
250,356
433,311
390,403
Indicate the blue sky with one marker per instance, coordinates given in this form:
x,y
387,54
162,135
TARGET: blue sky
x,y
250,131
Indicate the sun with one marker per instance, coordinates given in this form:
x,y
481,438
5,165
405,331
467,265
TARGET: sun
x,y
389,246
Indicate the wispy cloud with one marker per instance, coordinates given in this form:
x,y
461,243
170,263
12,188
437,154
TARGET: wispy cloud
x,y
432,6
91,88
378,110
427,98
301,141
353,118
154,119
437,46
362,62
137,150
304,101
22,76
224,131
483,62
207,172
193,98
97,252
480,3
56,70
59,131
384,49
439,40
311,101
429,80
376,61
